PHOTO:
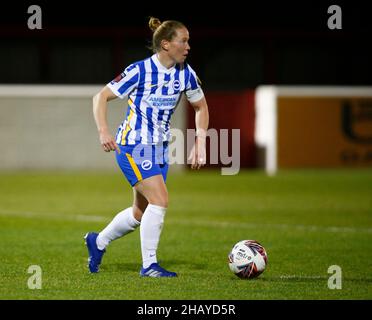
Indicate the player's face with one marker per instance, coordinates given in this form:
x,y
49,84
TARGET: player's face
x,y
179,46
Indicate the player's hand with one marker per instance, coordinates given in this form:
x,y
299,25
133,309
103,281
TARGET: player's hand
x,y
108,142
197,156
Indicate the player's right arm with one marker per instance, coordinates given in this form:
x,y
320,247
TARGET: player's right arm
x,y
120,87
100,116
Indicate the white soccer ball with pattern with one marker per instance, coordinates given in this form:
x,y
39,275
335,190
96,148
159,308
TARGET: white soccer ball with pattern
x,y
247,259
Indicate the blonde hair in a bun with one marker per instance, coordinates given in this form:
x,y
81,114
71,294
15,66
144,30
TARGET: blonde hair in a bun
x,y
163,31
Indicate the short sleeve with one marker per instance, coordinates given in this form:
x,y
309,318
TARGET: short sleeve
x,y
193,90
125,82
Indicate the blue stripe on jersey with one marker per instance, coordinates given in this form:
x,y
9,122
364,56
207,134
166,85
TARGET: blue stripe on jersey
x,y
154,76
164,89
177,78
193,82
130,67
132,81
150,126
168,119
139,95
154,82
160,115
187,76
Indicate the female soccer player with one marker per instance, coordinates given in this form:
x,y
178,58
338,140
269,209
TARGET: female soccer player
x,y
153,87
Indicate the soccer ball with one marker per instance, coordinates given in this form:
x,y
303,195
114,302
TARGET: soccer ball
x,y
247,259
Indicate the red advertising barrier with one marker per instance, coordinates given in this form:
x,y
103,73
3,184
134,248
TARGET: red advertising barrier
x,y
231,110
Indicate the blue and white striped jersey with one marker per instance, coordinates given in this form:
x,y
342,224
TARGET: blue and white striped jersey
x,y
153,93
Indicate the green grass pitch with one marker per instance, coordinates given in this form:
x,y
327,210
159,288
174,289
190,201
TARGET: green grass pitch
x,y
307,221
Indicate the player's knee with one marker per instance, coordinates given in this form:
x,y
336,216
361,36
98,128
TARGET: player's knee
x,y
161,203
137,213
160,200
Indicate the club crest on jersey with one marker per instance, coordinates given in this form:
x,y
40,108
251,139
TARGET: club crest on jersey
x,y
146,165
176,85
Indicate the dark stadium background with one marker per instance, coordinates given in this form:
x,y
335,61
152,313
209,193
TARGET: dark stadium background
x,y
234,45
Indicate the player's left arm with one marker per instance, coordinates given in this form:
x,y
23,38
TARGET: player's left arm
x,y
198,152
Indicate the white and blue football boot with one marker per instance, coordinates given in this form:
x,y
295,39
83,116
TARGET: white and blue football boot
x,y
156,271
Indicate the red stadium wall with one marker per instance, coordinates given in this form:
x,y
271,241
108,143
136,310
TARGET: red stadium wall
x,y
232,110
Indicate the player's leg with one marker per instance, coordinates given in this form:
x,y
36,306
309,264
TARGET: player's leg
x,y
155,192
139,205
124,222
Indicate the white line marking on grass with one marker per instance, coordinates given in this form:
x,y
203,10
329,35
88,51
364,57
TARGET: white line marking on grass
x,y
294,276
311,228
54,215
89,218
196,223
